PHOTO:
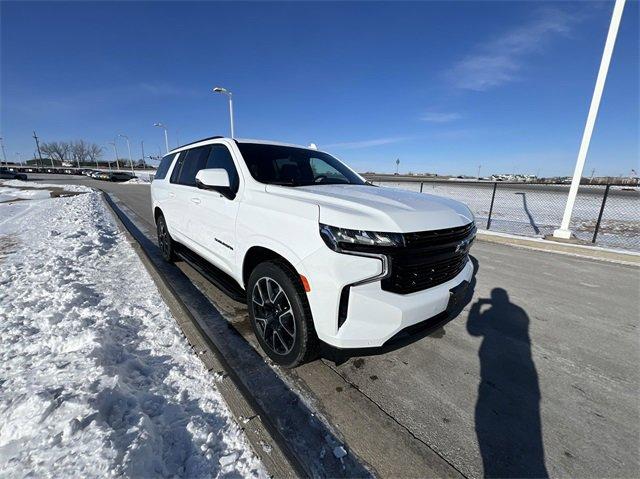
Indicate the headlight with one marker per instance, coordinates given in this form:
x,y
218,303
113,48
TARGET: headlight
x,y
339,239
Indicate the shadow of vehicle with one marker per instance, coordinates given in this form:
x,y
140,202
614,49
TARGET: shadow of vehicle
x,y
507,412
532,222
407,336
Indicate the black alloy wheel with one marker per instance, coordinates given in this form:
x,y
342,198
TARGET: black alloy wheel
x,y
165,243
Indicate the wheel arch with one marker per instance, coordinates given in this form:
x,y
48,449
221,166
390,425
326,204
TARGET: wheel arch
x,y
156,213
259,254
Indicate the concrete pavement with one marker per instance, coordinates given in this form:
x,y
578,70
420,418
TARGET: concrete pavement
x,y
536,376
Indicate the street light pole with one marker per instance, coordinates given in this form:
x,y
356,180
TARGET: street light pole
x,y
564,232
115,148
144,163
166,136
4,155
129,149
224,91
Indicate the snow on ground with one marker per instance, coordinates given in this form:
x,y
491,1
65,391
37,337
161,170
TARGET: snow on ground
x,y
95,376
136,181
32,184
538,212
12,194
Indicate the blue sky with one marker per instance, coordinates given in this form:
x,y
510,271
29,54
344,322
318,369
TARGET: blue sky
x,y
442,86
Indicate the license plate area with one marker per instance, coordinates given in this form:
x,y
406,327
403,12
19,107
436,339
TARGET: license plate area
x,y
457,295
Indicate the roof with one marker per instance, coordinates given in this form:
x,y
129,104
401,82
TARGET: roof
x,y
239,140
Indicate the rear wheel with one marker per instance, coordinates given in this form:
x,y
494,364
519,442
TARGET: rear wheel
x,y
280,314
165,243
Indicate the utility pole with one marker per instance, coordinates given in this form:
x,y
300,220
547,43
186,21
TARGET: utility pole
x,y
479,166
4,155
564,232
144,163
35,137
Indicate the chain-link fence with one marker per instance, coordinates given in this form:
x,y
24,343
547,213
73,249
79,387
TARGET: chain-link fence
x,y
605,215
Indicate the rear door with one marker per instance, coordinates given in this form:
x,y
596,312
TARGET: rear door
x,y
183,188
160,187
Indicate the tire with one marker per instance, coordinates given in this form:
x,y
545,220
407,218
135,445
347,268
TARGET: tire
x,y
165,242
280,314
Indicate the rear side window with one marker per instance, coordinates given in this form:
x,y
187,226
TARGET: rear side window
x,y
220,157
188,164
194,161
162,170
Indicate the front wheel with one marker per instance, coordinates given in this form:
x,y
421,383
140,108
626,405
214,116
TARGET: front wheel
x,y
280,314
165,243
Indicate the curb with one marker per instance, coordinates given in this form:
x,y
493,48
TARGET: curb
x,y
577,250
272,451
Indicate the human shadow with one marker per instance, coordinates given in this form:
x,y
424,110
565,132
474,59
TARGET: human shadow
x,y
507,413
532,222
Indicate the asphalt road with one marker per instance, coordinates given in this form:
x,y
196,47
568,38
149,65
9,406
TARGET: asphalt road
x,y
538,375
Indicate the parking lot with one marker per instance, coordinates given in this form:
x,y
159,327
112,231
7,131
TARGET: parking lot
x,y
537,375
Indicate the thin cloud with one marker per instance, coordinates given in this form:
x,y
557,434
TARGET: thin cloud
x,y
367,143
440,117
500,60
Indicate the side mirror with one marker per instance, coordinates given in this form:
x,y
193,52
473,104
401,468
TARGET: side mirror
x,y
216,179
213,178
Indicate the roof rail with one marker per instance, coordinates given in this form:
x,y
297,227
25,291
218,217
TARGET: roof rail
x,y
197,141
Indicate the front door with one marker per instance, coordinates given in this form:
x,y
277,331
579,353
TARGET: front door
x,y
214,227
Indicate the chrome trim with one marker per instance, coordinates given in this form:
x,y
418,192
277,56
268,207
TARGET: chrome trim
x,y
386,271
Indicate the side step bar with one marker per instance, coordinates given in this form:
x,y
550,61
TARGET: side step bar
x,y
220,279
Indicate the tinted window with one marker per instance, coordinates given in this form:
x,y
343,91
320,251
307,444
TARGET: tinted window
x,y
176,169
291,166
220,157
165,163
194,161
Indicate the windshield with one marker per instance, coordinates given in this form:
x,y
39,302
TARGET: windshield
x,y
291,166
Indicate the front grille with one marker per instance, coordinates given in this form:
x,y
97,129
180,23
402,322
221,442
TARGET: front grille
x,y
429,258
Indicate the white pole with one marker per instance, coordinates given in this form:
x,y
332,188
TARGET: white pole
x,y
129,149
563,231
4,155
115,148
166,140
231,113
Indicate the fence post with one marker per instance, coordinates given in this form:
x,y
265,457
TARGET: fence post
x,y
604,201
493,197
421,185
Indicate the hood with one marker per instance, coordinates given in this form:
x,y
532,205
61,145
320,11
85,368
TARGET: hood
x,y
379,208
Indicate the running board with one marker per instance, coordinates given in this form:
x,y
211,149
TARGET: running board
x,y
217,277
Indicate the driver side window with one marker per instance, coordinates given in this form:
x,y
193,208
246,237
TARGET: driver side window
x,y
323,170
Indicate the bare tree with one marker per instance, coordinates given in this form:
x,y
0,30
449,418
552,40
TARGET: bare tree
x,y
94,153
57,150
79,152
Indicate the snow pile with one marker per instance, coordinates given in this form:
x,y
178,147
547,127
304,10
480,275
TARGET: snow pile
x,y
137,181
32,184
95,377
12,194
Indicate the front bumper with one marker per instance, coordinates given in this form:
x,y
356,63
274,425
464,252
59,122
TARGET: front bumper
x,y
373,315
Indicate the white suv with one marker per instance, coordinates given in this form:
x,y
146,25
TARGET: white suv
x,y
319,253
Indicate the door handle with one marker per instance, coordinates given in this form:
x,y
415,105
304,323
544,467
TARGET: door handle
x,y
196,200
172,194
